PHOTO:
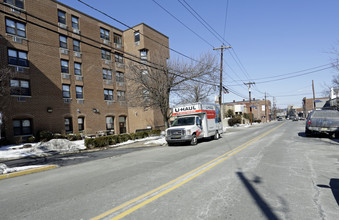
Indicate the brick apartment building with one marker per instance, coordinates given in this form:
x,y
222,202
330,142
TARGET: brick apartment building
x,y
241,107
68,71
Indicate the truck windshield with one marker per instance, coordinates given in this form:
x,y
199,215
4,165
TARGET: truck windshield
x,y
183,121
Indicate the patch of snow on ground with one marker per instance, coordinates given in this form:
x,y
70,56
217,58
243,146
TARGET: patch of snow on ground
x,y
41,148
4,169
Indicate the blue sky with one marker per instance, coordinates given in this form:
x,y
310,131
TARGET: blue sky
x,y
270,39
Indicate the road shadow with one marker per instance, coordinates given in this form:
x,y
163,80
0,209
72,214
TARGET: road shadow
x,y
264,207
334,186
320,135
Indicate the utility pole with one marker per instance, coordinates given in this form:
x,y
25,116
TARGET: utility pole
x,y
313,95
222,48
265,108
249,92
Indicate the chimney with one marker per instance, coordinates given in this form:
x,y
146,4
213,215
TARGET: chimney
x,y
233,100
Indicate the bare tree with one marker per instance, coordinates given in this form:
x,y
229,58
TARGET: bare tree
x,y
151,83
6,74
203,83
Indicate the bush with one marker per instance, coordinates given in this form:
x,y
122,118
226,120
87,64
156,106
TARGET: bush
x,y
31,139
233,121
45,136
90,143
155,132
59,136
73,137
257,121
124,138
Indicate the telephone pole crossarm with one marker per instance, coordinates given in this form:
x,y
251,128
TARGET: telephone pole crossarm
x,y
249,92
222,48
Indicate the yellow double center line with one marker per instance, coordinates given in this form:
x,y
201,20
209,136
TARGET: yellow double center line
x,y
140,201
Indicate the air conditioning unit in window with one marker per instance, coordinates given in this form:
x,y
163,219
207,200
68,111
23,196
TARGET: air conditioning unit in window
x,y
17,39
65,75
121,84
117,45
19,69
21,99
105,41
67,100
15,10
109,82
76,31
77,54
80,101
63,26
79,78
110,102
108,62
64,51
120,65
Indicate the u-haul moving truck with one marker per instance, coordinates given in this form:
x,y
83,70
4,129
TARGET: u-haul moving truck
x,y
194,121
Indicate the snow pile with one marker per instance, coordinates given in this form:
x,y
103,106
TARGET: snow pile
x,y
60,146
4,169
161,141
41,149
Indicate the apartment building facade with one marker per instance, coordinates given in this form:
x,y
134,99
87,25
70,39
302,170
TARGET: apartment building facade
x,y
67,71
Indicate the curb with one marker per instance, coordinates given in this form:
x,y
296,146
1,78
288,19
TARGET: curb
x,y
29,171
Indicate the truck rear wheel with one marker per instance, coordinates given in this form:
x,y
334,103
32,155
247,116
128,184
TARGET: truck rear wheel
x,y
216,136
194,140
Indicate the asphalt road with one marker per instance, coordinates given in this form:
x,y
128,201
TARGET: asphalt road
x,y
270,171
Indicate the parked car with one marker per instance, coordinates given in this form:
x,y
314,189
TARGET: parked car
x,y
280,119
323,122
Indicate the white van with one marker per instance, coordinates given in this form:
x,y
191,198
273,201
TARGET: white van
x,y
194,121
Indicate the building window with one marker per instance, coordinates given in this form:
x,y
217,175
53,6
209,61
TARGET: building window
x,y
61,17
63,41
119,58
75,22
22,127
15,28
81,123
64,66
107,74
109,123
117,40
76,45
143,54
20,87
108,94
18,58
68,125
66,91
104,34
137,37
146,96
121,95
16,3
77,69
105,54
79,92
120,77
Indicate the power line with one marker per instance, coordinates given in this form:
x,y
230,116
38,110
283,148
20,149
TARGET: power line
x,y
204,23
226,15
182,23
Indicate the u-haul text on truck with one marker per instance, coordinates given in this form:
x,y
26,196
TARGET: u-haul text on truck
x,y
194,121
